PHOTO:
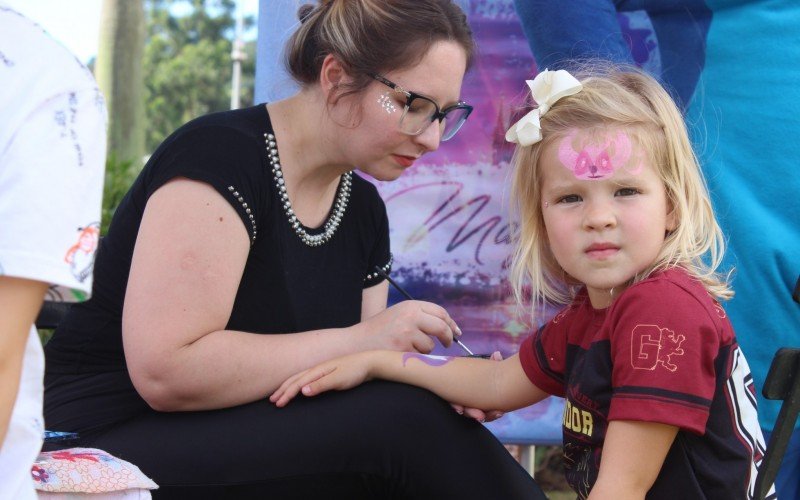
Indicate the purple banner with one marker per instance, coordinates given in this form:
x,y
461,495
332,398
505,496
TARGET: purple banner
x,y
449,216
450,229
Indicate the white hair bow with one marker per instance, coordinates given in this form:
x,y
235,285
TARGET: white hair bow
x,y
547,88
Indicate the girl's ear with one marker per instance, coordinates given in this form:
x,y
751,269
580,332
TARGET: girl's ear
x,y
331,76
672,217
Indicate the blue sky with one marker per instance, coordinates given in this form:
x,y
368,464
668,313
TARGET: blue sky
x,y
76,23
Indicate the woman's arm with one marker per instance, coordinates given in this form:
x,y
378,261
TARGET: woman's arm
x,y
188,261
479,383
20,301
633,453
374,300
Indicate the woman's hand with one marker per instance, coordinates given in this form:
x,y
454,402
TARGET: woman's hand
x,y
409,326
477,414
338,374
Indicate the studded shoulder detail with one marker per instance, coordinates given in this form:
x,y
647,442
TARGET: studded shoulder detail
x,y
247,210
386,269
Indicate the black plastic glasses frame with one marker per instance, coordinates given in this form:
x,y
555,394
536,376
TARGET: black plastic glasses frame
x,y
440,114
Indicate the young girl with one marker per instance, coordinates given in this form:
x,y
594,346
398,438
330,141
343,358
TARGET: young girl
x,y
615,221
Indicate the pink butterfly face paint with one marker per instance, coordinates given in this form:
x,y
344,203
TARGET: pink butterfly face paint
x,y
427,359
597,156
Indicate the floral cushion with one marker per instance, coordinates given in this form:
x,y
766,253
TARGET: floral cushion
x,y
86,470
135,494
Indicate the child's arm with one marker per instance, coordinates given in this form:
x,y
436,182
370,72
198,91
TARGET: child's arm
x,y
478,383
633,453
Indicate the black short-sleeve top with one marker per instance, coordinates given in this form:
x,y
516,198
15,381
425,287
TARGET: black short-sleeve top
x,y
287,285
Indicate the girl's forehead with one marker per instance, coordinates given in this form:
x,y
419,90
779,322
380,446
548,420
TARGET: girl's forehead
x,y
597,133
596,153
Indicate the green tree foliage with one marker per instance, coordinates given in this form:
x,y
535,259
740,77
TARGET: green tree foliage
x,y
119,177
187,73
187,63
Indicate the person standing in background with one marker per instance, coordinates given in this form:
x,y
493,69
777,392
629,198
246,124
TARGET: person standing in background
x,y
52,160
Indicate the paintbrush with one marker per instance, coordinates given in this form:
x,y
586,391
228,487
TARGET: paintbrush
x,y
409,297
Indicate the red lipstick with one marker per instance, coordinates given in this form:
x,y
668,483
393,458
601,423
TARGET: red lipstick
x,y
404,161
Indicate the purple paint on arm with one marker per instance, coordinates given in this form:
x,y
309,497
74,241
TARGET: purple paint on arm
x,y
427,359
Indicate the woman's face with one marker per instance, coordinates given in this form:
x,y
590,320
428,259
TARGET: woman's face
x,y
377,146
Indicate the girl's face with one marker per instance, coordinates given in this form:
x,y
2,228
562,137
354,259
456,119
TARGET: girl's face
x,y
605,209
376,145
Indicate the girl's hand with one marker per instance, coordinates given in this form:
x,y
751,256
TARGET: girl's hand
x,y
338,374
409,326
475,413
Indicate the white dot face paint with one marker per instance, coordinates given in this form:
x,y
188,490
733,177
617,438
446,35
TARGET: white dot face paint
x,y
387,104
597,156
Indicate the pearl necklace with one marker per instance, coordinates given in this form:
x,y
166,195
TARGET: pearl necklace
x,y
343,195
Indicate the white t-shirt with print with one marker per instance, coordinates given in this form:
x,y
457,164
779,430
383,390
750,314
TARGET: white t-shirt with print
x,y
52,160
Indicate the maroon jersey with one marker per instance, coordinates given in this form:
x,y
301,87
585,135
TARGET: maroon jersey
x,y
664,352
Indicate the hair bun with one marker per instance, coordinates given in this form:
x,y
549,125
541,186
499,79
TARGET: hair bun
x,y
305,11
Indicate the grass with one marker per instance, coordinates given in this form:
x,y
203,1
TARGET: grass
x,y
560,495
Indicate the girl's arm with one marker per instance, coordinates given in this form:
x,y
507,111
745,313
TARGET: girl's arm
x,y
633,453
478,383
189,257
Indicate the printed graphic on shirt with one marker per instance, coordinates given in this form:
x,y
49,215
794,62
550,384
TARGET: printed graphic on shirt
x,y
741,394
80,256
652,346
99,101
560,316
577,420
65,120
57,293
584,428
5,60
581,464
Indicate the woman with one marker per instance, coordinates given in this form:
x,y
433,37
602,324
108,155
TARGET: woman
x,y
246,226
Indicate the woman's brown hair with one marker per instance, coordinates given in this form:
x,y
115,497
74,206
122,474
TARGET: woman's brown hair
x,y
372,37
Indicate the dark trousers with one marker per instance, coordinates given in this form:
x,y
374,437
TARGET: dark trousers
x,y
381,440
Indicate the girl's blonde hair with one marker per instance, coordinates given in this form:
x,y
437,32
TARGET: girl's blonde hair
x,y
627,98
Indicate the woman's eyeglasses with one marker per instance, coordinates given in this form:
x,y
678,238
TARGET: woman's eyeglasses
x,y
421,111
